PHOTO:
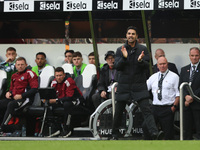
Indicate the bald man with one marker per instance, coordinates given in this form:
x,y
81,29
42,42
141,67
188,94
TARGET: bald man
x,y
171,66
164,87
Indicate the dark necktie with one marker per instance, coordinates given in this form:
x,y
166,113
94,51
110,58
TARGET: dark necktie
x,y
193,73
160,87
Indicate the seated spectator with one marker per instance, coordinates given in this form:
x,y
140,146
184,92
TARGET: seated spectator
x,y
68,56
41,63
23,87
108,75
91,59
9,64
79,66
171,66
68,98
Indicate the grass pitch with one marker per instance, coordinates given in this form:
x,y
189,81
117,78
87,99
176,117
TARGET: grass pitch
x,y
100,145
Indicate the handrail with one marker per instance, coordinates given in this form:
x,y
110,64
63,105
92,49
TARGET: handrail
x,y
181,104
113,96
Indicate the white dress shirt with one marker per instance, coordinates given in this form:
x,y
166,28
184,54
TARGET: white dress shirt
x,y
169,87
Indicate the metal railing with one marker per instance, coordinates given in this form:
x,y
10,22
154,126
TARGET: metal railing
x,y
187,85
113,97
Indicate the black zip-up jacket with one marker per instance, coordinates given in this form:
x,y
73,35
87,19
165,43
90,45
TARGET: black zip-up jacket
x,y
132,74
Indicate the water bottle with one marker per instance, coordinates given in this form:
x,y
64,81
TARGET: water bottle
x,y
23,131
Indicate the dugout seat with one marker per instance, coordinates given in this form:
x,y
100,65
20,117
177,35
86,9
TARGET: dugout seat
x,y
3,84
68,69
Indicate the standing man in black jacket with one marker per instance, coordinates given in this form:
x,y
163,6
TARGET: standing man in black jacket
x,y
132,62
191,109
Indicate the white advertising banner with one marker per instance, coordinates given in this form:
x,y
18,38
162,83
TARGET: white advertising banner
x,y
19,6
77,5
138,4
191,4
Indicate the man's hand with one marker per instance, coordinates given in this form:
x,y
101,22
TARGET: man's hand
x,y
141,56
103,94
51,101
17,96
188,100
9,59
124,52
8,95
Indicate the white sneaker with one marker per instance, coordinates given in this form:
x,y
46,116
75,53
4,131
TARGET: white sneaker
x,y
54,134
68,134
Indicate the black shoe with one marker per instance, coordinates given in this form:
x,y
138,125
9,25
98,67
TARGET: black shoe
x,y
113,137
158,136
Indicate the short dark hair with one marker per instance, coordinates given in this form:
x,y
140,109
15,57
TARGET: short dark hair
x,y
11,49
21,58
41,53
91,54
133,28
77,54
59,69
69,51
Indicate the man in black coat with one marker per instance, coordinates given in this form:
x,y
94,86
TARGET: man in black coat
x,y
132,62
171,66
108,75
191,108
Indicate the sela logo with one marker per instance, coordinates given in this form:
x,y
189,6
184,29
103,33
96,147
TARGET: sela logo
x,y
49,6
194,3
168,4
139,4
18,6
78,5
107,5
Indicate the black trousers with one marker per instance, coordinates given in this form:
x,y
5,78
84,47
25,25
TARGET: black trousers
x,y
191,121
146,112
7,109
97,99
165,117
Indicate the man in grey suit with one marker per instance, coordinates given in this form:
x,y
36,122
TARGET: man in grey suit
x,y
191,74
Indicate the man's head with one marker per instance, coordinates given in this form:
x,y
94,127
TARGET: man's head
x,y
131,34
59,74
110,58
20,64
77,59
11,54
41,60
194,55
91,58
68,56
159,53
162,64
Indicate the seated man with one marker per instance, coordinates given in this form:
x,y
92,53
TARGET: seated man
x,y
69,96
41,63
79,66
23,87
68,56
91,59
9,64
108,75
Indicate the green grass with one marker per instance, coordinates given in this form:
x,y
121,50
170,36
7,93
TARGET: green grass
x,y
100,145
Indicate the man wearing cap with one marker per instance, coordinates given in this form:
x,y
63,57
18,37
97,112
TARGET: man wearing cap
x,y
132,62
108,75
